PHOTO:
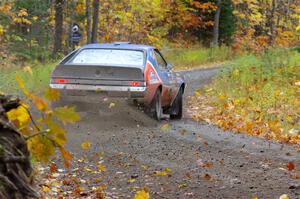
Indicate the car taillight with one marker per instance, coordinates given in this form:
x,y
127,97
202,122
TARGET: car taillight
x,y
135,83
61,81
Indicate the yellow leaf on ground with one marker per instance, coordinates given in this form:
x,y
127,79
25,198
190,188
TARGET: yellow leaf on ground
x,y
131,180
160,173
101,167
85,145
67,114
168,170
197,93
284,196
112,104
222,97
165,127
45,189
142,194
52,94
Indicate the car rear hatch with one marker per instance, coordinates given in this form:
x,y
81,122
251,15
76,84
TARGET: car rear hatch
x,y
97,77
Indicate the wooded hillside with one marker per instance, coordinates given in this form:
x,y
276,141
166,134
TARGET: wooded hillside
x,y
39,29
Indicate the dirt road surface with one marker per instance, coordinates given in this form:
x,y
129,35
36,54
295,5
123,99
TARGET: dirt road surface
x,y
202,161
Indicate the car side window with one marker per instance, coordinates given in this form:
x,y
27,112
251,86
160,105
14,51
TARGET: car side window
x,y
160,60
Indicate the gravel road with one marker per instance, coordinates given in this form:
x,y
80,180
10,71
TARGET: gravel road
x,y
205,162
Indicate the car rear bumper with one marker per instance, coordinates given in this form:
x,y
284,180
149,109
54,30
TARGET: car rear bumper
x,y
111,91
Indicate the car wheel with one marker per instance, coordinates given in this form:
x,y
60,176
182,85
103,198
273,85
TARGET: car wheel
x,y
176,111
156,106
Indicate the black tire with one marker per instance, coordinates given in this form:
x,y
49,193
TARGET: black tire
x,y
176,110
156,106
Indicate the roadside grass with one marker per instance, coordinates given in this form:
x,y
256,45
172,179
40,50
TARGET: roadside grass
x,y
258,95
189,58
36,78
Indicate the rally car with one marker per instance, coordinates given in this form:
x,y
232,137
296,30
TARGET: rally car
x,y
125,70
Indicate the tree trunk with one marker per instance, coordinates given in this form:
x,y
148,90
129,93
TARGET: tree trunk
x,y
15,166
272,23
58,26
95,21
215,41
88,21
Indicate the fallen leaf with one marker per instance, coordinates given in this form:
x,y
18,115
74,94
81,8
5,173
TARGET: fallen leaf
x,y
131,180
111,105
296,175
101,167
291,166
168,170
45,189
284,196
53,168
160,173
182,186
188,175
197,93
142,194
189,194
165,127
85,145
207,165
207,176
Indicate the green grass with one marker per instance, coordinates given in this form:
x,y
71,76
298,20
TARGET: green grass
x,y
188,58
36,82
263,90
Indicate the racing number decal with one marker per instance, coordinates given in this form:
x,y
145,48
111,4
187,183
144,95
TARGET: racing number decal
x,y
151,76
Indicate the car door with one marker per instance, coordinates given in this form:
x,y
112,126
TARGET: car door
x,y
166,76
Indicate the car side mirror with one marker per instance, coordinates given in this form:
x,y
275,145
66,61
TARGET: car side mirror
x,y
169,66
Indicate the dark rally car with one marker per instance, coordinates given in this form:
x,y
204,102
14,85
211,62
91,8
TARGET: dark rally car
x,y
122,70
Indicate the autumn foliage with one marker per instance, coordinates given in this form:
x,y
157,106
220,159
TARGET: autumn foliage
x,y
44,131
256,95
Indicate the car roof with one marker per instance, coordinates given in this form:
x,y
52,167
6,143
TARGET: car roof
x,y
119,45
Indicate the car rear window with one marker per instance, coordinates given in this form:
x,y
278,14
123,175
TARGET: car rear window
x,y
109,57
